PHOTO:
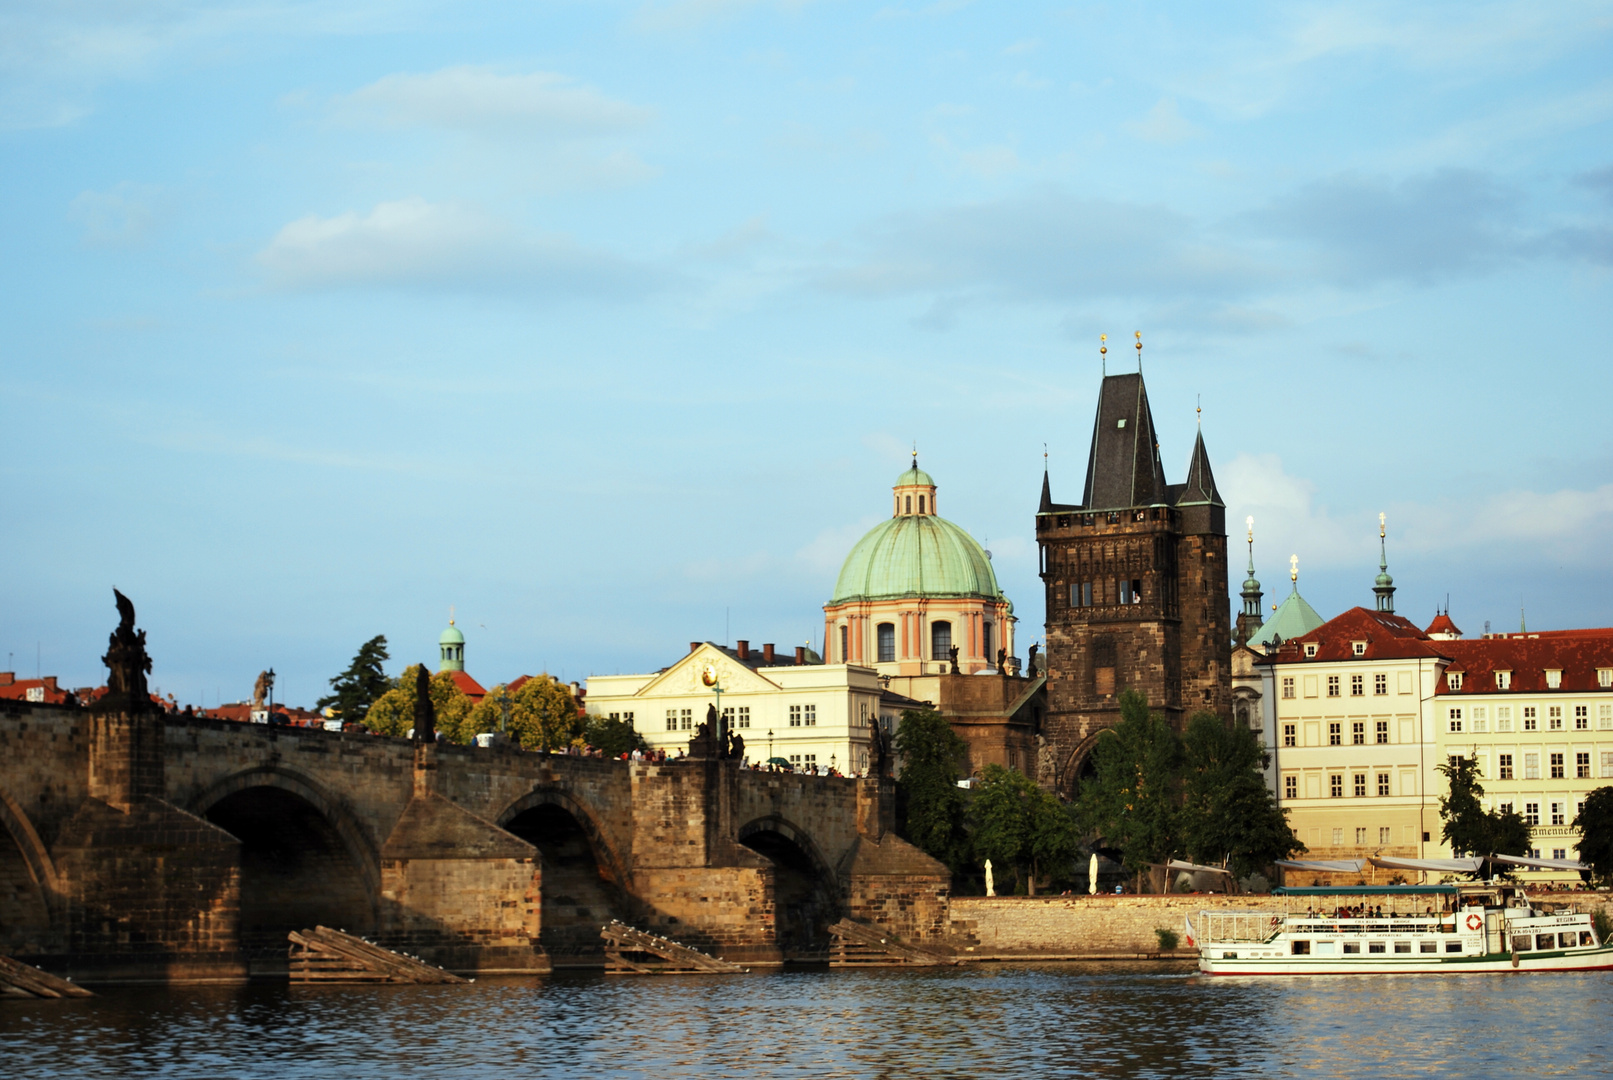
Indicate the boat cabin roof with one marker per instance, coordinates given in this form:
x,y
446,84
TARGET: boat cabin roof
x,y
1366,890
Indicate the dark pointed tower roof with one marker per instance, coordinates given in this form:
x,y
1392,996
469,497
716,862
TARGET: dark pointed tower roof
x,y
1047,495
1200,486
1124,467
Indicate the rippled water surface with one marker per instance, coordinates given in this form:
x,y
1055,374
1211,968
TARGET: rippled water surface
x,y
1046,1020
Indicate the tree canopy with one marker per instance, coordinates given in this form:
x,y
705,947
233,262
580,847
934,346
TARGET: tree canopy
x,y
613,737
1019,825
393,712
1133,802
361,685
1228,812
1595,824
1469,829
543,714
932,806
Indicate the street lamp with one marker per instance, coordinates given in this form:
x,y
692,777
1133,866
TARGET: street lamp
x,y
770,747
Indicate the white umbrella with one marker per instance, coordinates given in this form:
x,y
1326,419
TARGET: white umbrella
x,y
990,885
1092,875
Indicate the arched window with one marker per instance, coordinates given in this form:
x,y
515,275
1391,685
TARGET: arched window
x,y
921,504
886,634
940,640
909,504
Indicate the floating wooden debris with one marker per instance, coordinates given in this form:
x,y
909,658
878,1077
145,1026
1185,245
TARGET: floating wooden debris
x,y
24,980
326,955
857,945
633,952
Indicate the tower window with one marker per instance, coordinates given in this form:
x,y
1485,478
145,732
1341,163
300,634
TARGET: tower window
x,y
985,642
885,634
921,504
940,640
909,504
845,642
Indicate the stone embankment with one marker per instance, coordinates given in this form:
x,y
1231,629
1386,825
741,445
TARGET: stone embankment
x,y
1107,927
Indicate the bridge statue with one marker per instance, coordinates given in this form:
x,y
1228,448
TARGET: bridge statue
x,y
127,663
260,691
953,654
425,716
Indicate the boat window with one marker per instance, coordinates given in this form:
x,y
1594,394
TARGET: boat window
x,y
1585,938
1566,940
1229,956
1428,946
1352,946
1522,943
1326,946
1453,946
1302,948
1545,941
1376,946
1403,946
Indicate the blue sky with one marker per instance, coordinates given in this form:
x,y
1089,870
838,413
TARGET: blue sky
x,y
606,323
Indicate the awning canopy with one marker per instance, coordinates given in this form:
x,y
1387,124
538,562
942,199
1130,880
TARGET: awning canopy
x,y
1195,868
1539,864
1367,890
1432,866
1325,866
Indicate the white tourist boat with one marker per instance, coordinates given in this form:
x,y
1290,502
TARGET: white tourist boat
x,y
1399,929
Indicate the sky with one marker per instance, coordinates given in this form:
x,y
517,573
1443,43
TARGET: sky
x,y
610,325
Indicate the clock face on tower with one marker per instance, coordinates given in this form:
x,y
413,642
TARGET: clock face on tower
x,y
708,674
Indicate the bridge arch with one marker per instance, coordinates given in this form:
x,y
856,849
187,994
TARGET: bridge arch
x,y
304,858
30,896
583,884
806,892
1078,765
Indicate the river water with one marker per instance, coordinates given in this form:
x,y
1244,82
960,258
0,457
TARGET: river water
x,y
1131,1020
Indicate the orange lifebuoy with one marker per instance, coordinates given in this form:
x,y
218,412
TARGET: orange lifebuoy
x,y
1474,920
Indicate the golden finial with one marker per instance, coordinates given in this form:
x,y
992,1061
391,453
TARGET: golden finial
x,y
1139,336
450,614
1293,569
1250,521
1381,531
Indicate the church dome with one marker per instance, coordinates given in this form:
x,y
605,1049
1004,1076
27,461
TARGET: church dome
x,y
915,476
451,636
916,553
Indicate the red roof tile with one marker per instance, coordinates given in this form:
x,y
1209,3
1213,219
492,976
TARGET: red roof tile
x,y
1576,653
468,686
1388,637
1442,625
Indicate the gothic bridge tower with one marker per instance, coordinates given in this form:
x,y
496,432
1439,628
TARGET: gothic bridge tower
x,y
1136,581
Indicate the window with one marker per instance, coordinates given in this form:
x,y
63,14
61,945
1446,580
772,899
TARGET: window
x,y
845,651
1582,766
744,715
1335,787
1505,767
921,504
1557,817
1604,677
1358,648
1383,784
1358,685
1604,717
1310,648
1530,723
1531,813
1334,736
1338,837
1454,716
1480,721
1380,684
1582,718
1503,718
795,716
1505,808
728,719
1503,680
1554,717
672,719
1531,766
1359,785
1290,738
1383,834
1556,766
885,635
1358,733
909,509
1453,679
1554,678
1081,594
1288,688
1381,732
1332,686
940,640
985,643
810,761
1607,764
1129,590
1360,837
809,716
1291,783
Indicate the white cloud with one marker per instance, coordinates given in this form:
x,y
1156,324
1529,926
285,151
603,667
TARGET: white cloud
x,y
1164,124
1567,525
1288,520
415,243
122,216
479,98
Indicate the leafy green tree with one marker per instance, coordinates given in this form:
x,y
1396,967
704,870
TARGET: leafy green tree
x,y
361,685
1133,801
1469,829
1595,824
543,715
1227,810
1020,825
930,805
613,737
393,712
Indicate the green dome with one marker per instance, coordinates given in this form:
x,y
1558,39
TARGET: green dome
x,y
451,636
916,555
915,475
1384,579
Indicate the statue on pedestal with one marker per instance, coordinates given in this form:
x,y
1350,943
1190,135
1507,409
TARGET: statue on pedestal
x,y
953,654
127,664
425,716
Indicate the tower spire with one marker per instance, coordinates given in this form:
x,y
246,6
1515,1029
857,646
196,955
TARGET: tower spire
x,y
1047,489
1103,353
1249,619
1384,585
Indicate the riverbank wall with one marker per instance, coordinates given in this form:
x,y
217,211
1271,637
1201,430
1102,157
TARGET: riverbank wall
x,y
1107,927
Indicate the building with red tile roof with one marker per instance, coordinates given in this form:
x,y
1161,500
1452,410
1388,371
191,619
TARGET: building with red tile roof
x,y
43,690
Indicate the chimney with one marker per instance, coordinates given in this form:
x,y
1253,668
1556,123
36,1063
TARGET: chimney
x,y
9,677
50,683
767,653
693,645
800,654
743,648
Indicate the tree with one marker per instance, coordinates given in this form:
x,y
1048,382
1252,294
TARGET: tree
x,y
1468,828
1018,824
612,736
1132,802
393,712
1595,824
1228,812
931,806
543,714
361,685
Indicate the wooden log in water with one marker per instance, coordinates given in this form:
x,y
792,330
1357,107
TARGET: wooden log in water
x,y
326,955
856,945
19,978
630,951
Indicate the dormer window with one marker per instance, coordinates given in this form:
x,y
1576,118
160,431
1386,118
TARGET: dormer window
x,y
1358,648
1310,648
1604,677
1121,423
1503,680
1453,679
1554,678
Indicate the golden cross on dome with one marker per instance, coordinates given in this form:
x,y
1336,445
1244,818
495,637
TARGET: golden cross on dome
x,y
1293,568
1381,532
1250,521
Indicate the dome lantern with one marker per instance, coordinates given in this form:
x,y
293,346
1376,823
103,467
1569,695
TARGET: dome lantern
x,y
451,645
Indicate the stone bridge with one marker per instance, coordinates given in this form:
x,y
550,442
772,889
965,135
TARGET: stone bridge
x,y
155,846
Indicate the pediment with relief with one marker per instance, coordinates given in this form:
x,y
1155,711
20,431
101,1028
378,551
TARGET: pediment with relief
x,y
689,676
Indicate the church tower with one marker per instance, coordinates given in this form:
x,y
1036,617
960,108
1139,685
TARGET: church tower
x,y
1136,584
1250,618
